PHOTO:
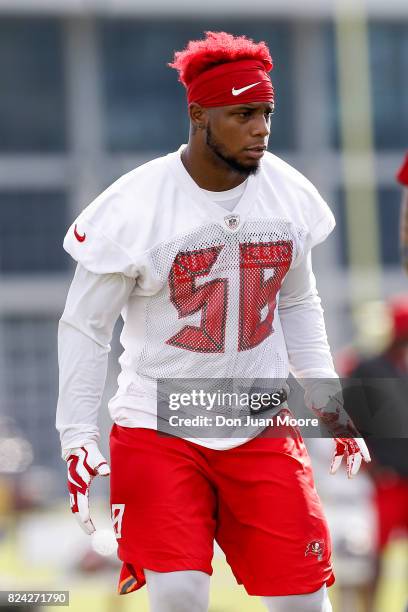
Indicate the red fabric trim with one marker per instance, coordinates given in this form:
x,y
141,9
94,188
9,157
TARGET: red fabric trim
x,y
131,579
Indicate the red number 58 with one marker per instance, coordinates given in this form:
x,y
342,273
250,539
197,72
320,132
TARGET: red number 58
x,y
257,298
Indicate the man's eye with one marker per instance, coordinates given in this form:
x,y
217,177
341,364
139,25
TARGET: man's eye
x,y
245,114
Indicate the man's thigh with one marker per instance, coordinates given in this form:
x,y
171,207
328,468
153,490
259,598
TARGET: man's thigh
x,y
163,506
271,524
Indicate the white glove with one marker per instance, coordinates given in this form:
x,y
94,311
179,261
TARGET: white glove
x,y
83,464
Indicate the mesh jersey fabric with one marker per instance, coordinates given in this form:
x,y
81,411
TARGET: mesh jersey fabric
x,y
207,283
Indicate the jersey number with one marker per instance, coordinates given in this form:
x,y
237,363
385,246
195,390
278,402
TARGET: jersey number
x,y
257,299
117,511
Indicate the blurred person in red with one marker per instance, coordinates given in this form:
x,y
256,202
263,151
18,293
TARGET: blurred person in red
x,y
388,372
402,177
206,252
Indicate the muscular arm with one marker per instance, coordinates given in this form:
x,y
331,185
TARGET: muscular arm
x,y
93,306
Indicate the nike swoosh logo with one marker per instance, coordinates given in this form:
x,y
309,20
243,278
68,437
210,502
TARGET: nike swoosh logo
x,y
237,92
78,236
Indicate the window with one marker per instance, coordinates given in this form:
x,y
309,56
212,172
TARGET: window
x,y
333,111
388,45
388,211
32,228
388,218
146,106
32,109
389,70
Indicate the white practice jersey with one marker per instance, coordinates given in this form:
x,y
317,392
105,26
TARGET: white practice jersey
x,y
207,281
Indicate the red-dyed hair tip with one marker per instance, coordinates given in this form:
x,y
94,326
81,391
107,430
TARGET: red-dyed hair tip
x,y
217,48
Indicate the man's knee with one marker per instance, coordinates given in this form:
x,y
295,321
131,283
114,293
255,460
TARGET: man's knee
x,y
309,602
182,591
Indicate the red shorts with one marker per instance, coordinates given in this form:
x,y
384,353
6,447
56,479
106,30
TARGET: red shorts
x,y
392,509
171,498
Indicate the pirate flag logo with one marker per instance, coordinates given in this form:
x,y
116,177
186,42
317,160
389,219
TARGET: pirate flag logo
x,y
232,221
315,548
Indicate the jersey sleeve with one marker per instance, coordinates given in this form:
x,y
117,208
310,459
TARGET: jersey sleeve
x,y
320,219
298,201
99,238
93,305
314,220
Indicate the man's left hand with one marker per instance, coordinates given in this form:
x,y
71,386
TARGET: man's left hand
x,y
355,450
346,436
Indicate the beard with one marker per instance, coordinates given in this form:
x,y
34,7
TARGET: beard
x,y
229,160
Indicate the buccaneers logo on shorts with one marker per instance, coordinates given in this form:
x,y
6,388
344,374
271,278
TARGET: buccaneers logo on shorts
x,y
315,548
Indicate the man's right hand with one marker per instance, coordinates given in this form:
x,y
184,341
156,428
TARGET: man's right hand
x,y
83,464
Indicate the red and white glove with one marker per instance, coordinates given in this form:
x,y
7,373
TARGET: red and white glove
x,y
83,464
346,437
355,450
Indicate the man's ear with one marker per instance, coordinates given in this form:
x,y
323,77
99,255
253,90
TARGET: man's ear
x,y
198,116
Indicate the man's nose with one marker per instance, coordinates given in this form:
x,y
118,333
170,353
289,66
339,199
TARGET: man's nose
x,y
261,127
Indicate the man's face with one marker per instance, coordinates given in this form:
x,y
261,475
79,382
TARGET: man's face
x,y
238,135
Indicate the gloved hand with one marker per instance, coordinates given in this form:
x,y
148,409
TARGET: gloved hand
x,y
347,439
84,464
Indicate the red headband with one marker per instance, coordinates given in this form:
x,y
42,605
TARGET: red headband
x,y
239,82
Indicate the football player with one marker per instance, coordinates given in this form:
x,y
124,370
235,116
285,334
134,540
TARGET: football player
x,y
206,254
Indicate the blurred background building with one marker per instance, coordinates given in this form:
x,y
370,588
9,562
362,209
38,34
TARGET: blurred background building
x,y
85,95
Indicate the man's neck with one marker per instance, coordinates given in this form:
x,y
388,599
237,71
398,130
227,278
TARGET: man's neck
x,y
209,171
